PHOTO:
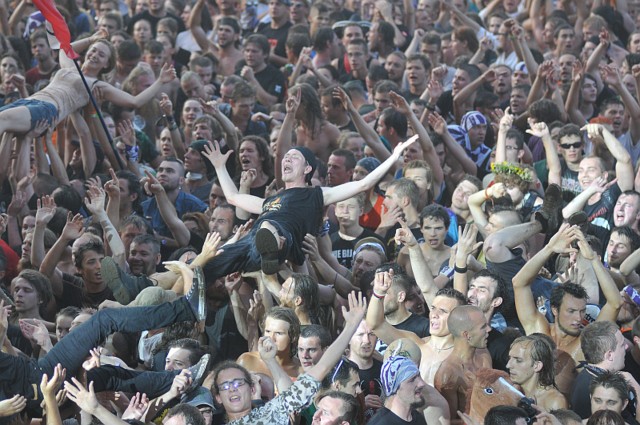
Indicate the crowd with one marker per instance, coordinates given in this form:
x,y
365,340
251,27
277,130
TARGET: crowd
x,y
321,212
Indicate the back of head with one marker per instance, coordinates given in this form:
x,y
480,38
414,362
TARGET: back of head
x,y
188,415
504,415
597,339
460,319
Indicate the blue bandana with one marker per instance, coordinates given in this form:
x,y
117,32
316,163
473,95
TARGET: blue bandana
x,y
471,119
395,370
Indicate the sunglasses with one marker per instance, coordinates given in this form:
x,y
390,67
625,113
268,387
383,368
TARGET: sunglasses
x,y
571,145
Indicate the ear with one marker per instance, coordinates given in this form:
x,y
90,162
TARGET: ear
x,y
496,302
219,400
232,103
298,301
158,258
554,311
624,405
636,340
181,181
402,296
537,366
307,169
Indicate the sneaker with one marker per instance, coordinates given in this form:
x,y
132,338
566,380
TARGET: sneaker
x,y
267,246
196,296
124,286
198,373
550,215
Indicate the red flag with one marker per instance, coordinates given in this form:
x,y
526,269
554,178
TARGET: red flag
x,y
60,28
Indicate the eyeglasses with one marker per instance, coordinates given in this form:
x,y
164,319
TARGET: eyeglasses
x,y
343,360
235,384
575,145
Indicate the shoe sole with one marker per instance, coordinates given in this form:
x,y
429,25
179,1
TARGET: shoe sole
x,y
111,275
267,246
198,378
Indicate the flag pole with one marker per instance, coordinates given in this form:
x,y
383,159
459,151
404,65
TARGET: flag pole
x,y
98,113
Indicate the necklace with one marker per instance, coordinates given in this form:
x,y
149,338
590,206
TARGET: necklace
x,y
443,349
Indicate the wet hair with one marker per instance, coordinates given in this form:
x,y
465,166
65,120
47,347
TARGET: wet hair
x,y
260,41
453,294
500,290
196,351
309,105
559,292
393,118
93,245
190,414
40,283
613,380
630,234
340,373
605,417
306,288
504,415
437,212
225,365
350,406
597,339
565,416
287,315
349,158
540,351
317,331
406,188
544,110
134,187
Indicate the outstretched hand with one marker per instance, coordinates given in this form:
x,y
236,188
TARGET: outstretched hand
x,y
215,156
85,399
357,309
400,147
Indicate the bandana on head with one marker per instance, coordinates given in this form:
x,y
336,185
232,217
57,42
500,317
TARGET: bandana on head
x,y
310,158
369,163
395,370
520,66
471,119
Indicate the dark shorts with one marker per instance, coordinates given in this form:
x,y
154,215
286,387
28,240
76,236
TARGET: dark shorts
x,y
39,110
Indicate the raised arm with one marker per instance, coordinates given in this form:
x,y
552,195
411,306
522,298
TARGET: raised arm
x,y
249,203
72,231
122,98
541,130
439,125
347,190
268,350
599,185
532,320
624,166
506,122
352,317
283,143
87,150
95,204
573,98
375,312
611,76
613,304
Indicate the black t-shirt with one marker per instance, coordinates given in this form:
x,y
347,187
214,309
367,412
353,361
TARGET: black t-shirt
x,y
342,249
600,214
74,294
272,81
385,416
277,37
419,325
297,211
581,400
390,240
370,385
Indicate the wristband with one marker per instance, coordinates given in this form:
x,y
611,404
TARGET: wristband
x,y
380,297
324,229
460,269
132,152
169,118
447,271
486,195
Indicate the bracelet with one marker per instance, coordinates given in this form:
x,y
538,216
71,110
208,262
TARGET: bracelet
x,y
380,297
459,269
486,195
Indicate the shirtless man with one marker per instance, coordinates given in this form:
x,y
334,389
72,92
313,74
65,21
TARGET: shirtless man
x,y
568,302
283,327
531,366
456,374
435,348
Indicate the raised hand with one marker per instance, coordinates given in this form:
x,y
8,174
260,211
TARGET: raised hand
x,y
232,282
310,247
18,201
86,400
256,307
539,129
35,331
506,121
611,75
46,209
95,200
437,123
293,102
404,236
357,309
400,147
435,89
74,227
127,132
340,94
178,267
248,177
151,184
211,244
399,103
167,73
112,187
577,71
49,387
12,405
180,383
38,130
166,106
94,359
266,348
561,242
594,131
467,244
496,191
215,156
601,185
137,407
382,282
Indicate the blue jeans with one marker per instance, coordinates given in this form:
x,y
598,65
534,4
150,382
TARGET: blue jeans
x,y
39,110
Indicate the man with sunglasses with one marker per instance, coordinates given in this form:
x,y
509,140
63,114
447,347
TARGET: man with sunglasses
x,y
563,171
